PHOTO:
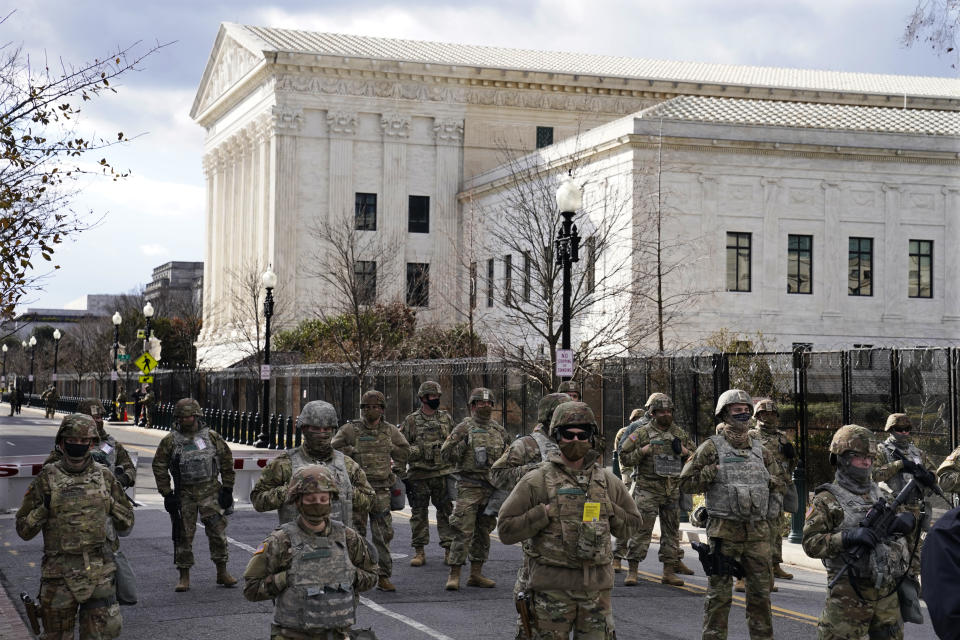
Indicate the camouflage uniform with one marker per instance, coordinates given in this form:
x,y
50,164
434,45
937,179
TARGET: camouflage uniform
x,y
656,488
948,473
569,552
49,397
834,513
427,474
147,403
377,448
620,547
742,532
197,456
313,577
77,508
472,447
121,402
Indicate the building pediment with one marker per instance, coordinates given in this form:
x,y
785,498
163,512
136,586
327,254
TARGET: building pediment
x,y
234,57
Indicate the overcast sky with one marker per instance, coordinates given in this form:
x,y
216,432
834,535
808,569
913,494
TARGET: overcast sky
x,y
157,215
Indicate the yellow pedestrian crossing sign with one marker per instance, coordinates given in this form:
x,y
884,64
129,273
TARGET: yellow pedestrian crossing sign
x,y
146,363
146,379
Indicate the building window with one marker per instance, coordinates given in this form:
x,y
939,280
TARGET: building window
x,y
863,356
526,276
365,274
365,212
418,284
738,261
419,216
473,285
490,282
860,278
920,277
799,264
544,137
591,275
508,280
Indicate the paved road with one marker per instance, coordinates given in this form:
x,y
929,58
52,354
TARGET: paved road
x,y
420,608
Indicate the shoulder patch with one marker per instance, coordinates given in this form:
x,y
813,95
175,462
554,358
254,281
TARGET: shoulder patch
x,y
809,512
261,548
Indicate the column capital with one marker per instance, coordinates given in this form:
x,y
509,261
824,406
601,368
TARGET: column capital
x,y
887,187
343,123
448,131
828,184
395,125
286,119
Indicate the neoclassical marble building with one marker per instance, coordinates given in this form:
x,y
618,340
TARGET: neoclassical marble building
x,y
399,137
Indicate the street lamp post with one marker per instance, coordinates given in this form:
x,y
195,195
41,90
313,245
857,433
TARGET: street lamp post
x,y
56,353
569,199
117,320
148,314
33,351
3,378
269,280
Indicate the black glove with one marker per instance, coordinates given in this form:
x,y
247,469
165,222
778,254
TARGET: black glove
x,y
225,499
924,477
171,503
860,537
910,466
677,446
122,477
787,450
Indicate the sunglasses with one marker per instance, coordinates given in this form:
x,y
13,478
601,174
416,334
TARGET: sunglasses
x,y
575,435
371,406
902,429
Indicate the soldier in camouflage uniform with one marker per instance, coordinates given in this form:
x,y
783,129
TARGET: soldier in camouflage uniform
x,y
724,467
314,567
864,603
108,451
426,429
147,403
317,423
564,512
49,397
570,388
195,455
948,473
472,447
776,441
378,447
656,450
626,473
78,505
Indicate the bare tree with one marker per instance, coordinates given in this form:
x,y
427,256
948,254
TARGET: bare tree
x,y
87,349
936,24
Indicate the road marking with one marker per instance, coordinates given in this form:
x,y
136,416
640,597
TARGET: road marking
x,y
11,443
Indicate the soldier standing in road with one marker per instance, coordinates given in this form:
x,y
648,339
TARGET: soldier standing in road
x,y
121,402
426,429
50,397
77,505
564,511
378,447
776,441
727,467
312,568
656,450
147,403
317,422
866,602
195,455
626,473
472,447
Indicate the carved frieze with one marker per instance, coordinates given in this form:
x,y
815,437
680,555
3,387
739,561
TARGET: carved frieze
x,y
395,125
342,123
448,131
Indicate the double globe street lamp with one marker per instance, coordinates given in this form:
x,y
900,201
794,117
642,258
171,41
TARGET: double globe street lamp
x,y
569,199
117,320
56,353
33,351
269,280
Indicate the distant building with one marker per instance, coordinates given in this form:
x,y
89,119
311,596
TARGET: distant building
x,y
176,285
23,325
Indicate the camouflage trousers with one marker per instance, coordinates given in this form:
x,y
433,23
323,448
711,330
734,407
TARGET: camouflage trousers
x,y
381,528
203,504
99,616
651,506
755,558
280,633
846,617
776,541
588,615
421,492
471,528
50,411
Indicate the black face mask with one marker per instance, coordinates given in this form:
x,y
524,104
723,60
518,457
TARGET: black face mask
x,y
433,403
72,450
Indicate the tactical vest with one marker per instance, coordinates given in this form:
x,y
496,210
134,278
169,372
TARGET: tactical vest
x,y
568,541
197,463
662,461
342,508
373,447
900,480
484,446
106,452
319,593
545,444
429,434
774,443
79,510
741,489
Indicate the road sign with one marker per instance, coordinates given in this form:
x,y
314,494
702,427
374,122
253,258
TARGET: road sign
x,y
114,376
264,372
146,363
53,377
146,379
123,357
565,363
141,334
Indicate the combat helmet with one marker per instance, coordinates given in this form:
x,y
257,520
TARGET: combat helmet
x,y
429,387
373,397
572,414
851,437
317,413
897,420
765,404
77,425
732,396
312,479
658,401
547,405
481,393
91,406
186,407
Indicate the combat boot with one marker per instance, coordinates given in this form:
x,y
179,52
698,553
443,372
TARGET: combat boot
x,y
384,584
419,558
773,585
683,569
669,577
618,565
224,577
632,579
778,572
739,585
184,583
477,579
453,581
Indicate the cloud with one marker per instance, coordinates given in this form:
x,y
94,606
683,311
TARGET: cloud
x,y
153,250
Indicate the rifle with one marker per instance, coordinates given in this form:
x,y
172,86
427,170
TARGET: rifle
x,y
615,461
523,602
717,564
176,518
33,612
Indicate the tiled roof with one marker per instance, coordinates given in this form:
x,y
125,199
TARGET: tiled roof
x,y
744,111
293,40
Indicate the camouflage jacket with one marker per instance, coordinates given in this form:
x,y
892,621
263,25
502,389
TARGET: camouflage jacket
x,y
625,471
889,470
426,435
774,441
521,457
122,460
948,473
661,443
265,576
698,474
270,491
163,459
49,397
392,454
467,441
147,399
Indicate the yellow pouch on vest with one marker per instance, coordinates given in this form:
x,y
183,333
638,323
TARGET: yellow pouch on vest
x,y
591,511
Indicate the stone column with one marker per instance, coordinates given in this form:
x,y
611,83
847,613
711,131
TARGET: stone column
x,y
894,253
341,129
445,218
284,202
392,215
209,175
951,261
833,263
221,281
768,275
713,273
264,135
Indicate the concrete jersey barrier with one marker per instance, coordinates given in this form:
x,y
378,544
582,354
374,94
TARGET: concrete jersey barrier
x,y
17,472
